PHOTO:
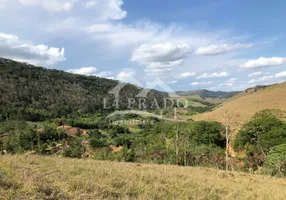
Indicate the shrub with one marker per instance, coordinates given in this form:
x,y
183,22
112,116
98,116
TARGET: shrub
x,y
75,150
264,131
275,163
208,133
95,142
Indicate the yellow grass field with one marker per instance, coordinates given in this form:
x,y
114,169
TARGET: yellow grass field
x,y
38,177
247,104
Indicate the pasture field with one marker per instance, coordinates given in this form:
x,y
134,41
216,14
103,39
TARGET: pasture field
x,y
39,177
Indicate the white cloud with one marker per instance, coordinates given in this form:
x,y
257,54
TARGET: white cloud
x,y
103,9
50,5
156,69
125,75
160,58
172,82
280,74
220,49
66,26
164,52
90,4
163,65
108,9
91,71
255,74
262,79
213,75
119,34
201,83
104,74
83,71
269,79
187,74
163,44
264,62
181,42
148,33
14,48
229,82
232,80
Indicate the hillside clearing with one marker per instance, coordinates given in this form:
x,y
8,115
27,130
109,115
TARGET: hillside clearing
x,y
37,177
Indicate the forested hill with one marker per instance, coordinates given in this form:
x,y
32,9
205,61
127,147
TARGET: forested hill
x,y
35,93
208,93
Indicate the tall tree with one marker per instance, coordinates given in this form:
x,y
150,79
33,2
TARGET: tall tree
x,y
231,123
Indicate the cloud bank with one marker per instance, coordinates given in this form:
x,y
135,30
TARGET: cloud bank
x,y
12,47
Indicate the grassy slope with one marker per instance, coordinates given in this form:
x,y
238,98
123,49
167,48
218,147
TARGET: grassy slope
x,y
208,93
247,104
191,101
36,177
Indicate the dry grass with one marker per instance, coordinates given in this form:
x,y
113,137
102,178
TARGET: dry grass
x,y
36,177
247,104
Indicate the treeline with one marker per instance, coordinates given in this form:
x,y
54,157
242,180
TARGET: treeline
x,y
196,143
34,93
51,137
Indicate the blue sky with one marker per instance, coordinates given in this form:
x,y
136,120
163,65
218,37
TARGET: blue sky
x,y
217,45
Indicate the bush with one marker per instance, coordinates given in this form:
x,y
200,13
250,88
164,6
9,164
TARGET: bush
x,y
95,142
208,133
75,150
264,131
275,163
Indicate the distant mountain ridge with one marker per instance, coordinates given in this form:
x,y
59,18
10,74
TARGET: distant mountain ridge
x,y
208,94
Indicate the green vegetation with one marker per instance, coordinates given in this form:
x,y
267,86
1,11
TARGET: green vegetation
x,y
36,94
205,107
263,140
153,143
264,131
275,163
208,94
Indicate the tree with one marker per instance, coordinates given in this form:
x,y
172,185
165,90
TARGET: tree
x,y
261,133
231,123
76,148
207,132
275,163
96,142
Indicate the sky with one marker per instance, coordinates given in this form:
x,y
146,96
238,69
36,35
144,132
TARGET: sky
x,y
188,44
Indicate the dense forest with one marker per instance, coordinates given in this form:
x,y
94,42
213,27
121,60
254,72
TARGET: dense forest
x,y
35,93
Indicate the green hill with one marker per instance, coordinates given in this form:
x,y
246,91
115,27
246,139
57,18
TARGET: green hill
x,y
208,93
35,93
